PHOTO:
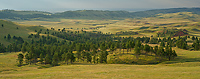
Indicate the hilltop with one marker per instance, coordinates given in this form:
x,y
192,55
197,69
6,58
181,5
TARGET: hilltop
x,y
89,14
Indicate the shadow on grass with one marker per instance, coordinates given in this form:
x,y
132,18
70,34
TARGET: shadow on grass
x,y
182,60
81,63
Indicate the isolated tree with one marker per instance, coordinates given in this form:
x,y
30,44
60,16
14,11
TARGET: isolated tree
x,y
2,25
20,59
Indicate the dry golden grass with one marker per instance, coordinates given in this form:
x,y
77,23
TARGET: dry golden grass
x,y
185,66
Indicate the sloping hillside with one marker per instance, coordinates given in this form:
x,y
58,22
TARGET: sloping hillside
x,y
14,29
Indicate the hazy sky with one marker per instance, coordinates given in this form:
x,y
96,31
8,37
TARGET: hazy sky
x,y
56,5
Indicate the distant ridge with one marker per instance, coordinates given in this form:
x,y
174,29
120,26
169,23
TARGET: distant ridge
x,y
153,12
90,14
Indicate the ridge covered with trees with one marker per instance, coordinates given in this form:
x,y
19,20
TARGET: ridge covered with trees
x,y
90,14
93,47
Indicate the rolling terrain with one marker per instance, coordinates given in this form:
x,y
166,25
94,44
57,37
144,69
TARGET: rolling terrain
x,y
153,24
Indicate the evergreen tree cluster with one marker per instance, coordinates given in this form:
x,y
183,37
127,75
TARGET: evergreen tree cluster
x,y
182,43
196,44
82,46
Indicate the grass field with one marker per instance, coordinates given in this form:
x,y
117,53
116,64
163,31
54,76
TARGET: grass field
x,y
185,66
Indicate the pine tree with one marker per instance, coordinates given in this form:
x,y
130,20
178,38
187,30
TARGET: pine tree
x,y
138,43
146,48
169,53
55,59
193,38
132,44
123,47
23,49
160,52
8,37
10,48
41,58
112,48
88,57
128,46
137,51
103,57
162,44
47,59
20,59
103,46
78,53
15,47
27,59
94,59
174,54
72,57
